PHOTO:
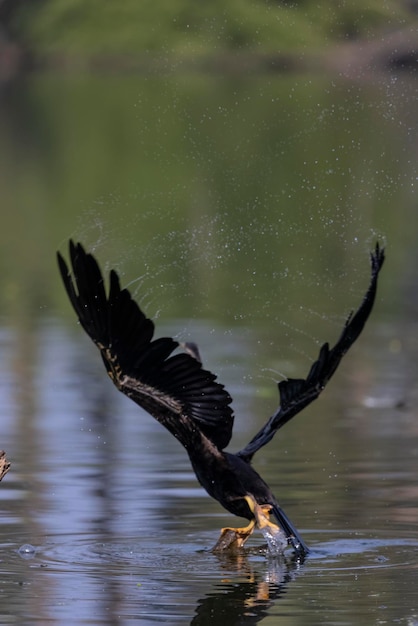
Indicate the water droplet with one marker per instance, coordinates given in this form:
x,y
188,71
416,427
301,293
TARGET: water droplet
x,y
27,551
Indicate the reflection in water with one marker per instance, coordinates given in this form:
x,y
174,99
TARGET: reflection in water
x,y
245,602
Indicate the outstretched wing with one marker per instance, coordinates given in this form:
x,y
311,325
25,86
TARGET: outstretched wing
x,y
297,393
174,389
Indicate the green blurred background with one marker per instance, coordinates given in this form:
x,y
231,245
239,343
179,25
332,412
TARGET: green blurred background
x,y
191,29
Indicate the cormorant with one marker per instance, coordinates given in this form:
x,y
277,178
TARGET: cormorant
x,y
187,399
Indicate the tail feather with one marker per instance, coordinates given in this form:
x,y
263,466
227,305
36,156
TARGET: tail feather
x,y
290,531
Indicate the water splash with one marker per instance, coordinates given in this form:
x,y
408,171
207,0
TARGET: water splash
x,y
276,539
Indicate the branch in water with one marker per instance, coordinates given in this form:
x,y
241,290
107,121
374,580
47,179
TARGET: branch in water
x,y
4,464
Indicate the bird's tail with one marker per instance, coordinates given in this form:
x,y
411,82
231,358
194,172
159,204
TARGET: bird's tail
x,y
290,531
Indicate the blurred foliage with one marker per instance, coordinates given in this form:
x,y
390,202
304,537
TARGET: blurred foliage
x,y
190,28
222,194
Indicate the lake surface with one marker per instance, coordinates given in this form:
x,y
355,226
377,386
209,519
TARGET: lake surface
x,y
241,212
119,530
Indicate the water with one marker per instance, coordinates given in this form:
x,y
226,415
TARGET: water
x,y
103,521
248,232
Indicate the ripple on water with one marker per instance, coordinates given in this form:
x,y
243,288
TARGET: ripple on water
x,y
188,579
158,553
363,553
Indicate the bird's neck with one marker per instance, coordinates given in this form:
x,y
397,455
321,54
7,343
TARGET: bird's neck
x,y
207,462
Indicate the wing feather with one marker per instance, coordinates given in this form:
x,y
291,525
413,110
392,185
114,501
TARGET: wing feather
x,y
175,389
297,393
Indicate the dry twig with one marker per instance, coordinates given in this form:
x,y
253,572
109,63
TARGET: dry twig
x,y
4,464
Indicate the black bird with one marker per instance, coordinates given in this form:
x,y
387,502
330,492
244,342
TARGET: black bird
x,y
187,399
